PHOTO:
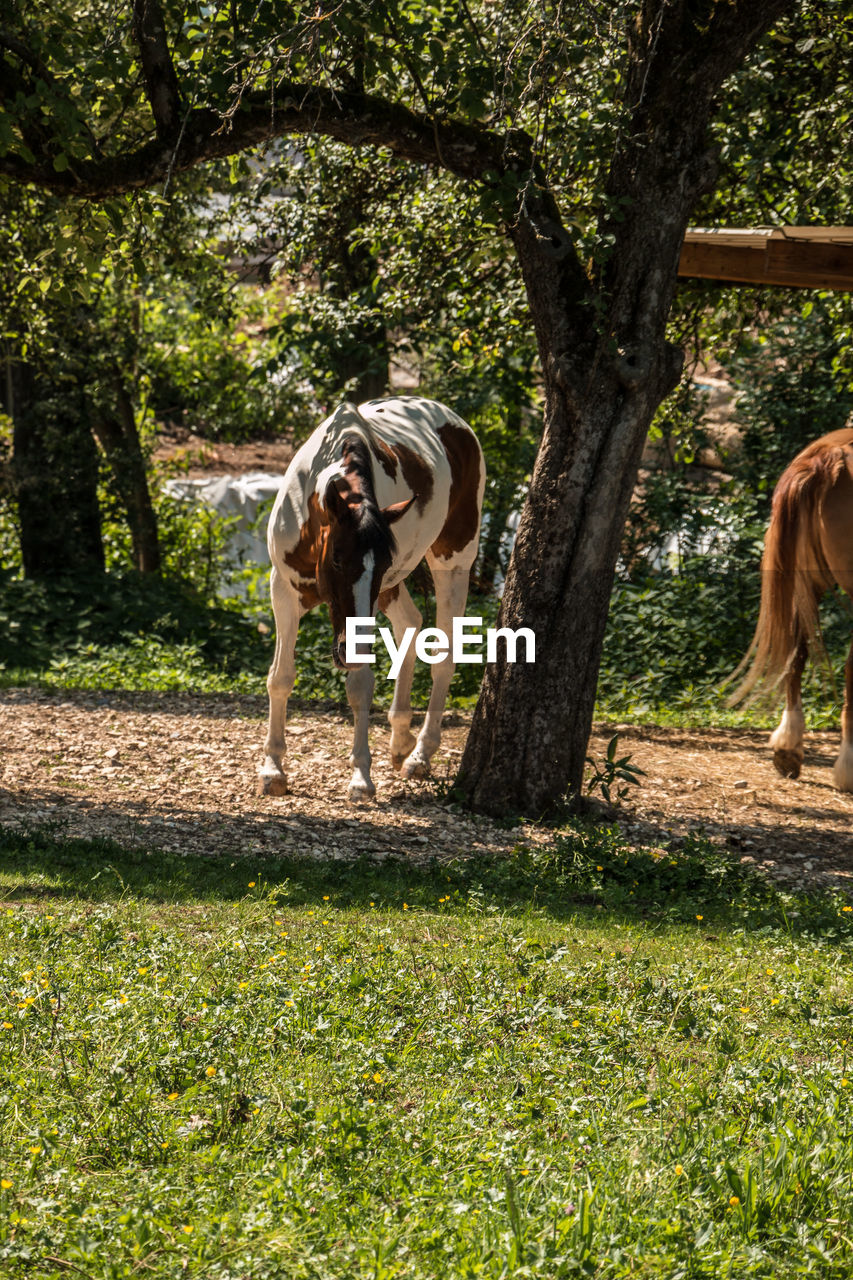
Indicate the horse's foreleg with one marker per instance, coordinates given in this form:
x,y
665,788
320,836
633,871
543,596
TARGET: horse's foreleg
x,y
842,770
360,695
402,613
287,611
787,739
451,592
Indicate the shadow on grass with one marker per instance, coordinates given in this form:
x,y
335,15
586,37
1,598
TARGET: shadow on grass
x,y
587,874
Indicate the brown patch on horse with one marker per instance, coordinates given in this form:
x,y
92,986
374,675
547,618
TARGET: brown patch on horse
x,y
309,597
416,474
303,558
794,568
384,455
386,598
463,516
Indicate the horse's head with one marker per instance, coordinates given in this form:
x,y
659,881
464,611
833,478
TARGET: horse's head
x,y
356,551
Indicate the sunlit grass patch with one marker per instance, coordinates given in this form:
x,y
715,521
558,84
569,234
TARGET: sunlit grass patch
x,y
590,1059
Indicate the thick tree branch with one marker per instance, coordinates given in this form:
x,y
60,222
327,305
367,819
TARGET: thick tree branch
x,y
469,151
161,82
682,52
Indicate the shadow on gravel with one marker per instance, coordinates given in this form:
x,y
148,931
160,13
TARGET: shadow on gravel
x,y
586,876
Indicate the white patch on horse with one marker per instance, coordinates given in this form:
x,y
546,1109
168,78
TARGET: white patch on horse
x,y
361,590
325,477
788,736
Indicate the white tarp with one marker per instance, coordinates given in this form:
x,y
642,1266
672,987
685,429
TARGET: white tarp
x,y
240,500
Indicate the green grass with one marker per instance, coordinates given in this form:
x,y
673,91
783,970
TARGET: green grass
x,y
579,1061
128,631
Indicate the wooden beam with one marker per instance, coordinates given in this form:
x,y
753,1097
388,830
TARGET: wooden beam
x,y
789,257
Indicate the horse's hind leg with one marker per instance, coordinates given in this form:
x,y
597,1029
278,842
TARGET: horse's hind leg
x,y
287,610
451,592
787,739
842,770
402,612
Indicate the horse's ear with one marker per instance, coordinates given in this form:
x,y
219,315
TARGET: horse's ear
x,y
397,509
340,499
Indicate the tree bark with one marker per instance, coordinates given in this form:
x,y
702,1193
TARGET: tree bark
x,y
54,474
119,439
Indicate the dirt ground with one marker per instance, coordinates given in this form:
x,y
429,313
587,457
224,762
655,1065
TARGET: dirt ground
x,y
179,772
200,459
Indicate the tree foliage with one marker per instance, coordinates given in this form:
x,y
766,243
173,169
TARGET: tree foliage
x,y
588,132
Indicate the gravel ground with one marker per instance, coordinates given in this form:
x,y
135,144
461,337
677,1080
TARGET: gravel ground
x,y
179,772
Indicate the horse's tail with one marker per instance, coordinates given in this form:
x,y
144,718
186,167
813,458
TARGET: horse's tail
x,y
794,572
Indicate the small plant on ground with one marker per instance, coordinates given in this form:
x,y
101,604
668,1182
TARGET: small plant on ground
x,y
613,770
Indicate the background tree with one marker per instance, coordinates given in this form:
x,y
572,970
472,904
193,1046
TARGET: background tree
x,y
80,358
588,132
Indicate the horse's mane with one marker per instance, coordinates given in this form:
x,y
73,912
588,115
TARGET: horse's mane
x,y
374,531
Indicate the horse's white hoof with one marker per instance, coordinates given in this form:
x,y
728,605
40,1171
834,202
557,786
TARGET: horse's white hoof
x,y
400,750
415,767
272,784
360,792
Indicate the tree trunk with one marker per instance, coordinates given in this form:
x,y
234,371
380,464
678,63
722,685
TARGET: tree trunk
x,y
119,439
362,354
527,745
55,473
528,740
364,360
606,367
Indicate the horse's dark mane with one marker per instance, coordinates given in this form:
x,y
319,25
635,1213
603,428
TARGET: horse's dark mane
x,y
374,531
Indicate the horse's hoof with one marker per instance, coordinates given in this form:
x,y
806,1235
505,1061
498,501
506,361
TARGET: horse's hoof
x,y
415,768
361,792
272,784
842,770
788,763
397,762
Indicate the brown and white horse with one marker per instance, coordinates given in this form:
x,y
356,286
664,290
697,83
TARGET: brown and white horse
x,y
808,548
370,493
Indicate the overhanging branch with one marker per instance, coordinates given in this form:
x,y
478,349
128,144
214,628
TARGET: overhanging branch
x,y
358,119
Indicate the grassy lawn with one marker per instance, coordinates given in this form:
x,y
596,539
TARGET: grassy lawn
x,y
585,1061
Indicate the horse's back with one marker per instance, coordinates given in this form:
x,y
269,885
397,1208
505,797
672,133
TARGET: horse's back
x,y
419,448
413,425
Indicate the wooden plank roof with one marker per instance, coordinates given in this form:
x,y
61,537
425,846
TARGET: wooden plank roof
x,y
793,257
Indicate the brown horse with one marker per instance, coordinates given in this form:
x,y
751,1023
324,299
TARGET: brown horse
x,y
808,549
